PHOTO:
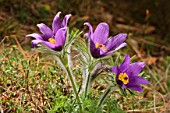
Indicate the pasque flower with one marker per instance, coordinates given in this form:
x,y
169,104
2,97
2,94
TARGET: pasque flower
x,y
55,38
127,74
100,45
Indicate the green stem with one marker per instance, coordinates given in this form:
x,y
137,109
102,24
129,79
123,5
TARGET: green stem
x,y
68,71
108,90
87,84
87,80
91,75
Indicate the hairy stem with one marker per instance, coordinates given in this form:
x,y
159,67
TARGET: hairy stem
x,y
87,84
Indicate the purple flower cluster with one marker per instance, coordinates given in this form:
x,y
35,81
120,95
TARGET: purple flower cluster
x,y
99,46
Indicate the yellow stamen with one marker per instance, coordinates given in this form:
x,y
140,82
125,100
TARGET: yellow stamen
x,y
101,46
124,78
52,40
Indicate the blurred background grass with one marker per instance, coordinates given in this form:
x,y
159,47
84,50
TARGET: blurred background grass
x,y
146,19
146,22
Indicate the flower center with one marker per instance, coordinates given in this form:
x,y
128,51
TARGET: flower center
x,y
52,40
101,46
124,78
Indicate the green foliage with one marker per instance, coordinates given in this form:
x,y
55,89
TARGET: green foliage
x,y
111,106
59,103
25,75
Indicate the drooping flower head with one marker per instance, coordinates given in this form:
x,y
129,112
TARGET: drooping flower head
x,y
100,45
127,74
55,38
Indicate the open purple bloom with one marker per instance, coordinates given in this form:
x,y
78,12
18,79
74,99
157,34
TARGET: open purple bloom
x,y
127,74
55,38
100,45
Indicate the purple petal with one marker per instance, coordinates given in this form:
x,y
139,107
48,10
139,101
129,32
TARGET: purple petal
x,y
35,42
64,23
35,35
137,88
101,33
94,52
60,37
45,30
124,86
90,34
56,23
121,46
49,44
124,65
115,69
136,80
135,68
109,52
116,41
